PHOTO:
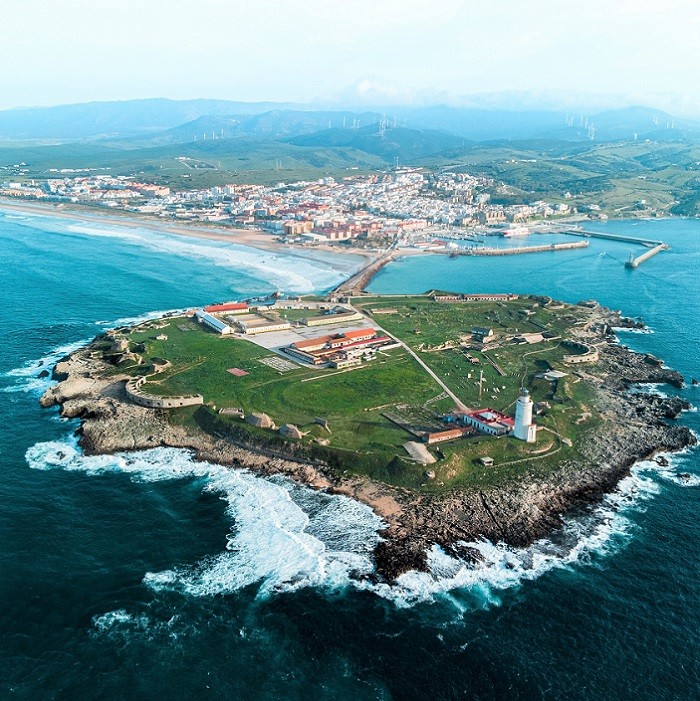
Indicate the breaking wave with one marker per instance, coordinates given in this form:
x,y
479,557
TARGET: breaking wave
x,y
35,375
654,388
28,377
131,320
285,537
625,329
292,271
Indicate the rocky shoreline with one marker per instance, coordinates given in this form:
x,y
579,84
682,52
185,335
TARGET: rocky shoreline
x,y
635,427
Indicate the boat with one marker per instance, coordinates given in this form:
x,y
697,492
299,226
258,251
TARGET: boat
x,y
515,231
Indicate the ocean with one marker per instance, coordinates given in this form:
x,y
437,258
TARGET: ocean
x,y
148,575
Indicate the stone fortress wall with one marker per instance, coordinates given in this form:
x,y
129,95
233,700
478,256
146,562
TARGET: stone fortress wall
x,y
138,396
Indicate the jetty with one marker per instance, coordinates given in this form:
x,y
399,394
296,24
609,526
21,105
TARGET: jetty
x,y
654,247
636,262
490,251
357,282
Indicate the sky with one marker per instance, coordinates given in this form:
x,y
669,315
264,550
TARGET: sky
x,y
376,51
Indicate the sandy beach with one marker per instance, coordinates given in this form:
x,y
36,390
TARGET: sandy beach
x,y
243,237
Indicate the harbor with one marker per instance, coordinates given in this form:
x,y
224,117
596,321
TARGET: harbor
x,y
655,247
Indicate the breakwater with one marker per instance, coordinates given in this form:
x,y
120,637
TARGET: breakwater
x,y
633,262
357,282
488,251
636,262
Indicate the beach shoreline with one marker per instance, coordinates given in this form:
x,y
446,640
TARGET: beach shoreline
x,y
251,238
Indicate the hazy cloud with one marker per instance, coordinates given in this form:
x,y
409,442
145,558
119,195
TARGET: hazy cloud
x,y
77,50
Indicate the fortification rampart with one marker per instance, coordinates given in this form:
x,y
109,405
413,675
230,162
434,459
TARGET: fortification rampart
x,y
583,353
138,396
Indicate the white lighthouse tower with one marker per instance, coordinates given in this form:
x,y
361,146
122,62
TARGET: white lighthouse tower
x,y
524,429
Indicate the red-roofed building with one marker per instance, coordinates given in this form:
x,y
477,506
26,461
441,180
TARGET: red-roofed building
x,y
325,349
448,435
236,307
312,343
489,421
343,339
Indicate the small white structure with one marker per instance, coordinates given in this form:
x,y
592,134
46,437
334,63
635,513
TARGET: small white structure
x,y
524,429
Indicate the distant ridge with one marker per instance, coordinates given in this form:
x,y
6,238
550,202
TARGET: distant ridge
x,y
115,119
160,121
387,142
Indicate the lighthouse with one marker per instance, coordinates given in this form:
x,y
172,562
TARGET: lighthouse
x,y
524,429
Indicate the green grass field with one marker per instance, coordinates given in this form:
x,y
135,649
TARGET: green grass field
x,y
347,400
361,438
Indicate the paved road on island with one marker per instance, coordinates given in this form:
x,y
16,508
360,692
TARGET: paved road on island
x,y
459,403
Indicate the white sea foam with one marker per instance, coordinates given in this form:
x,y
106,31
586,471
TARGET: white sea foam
x,y
285,537
103,231
131,320
122,625
274,543
624,329
579,541
26,378
649,388
291,272
110,619
676,470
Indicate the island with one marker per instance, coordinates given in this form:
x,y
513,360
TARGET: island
x,y
454,416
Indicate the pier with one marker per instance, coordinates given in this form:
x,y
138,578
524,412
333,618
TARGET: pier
x,y
636,262
612,237
654,247
487,251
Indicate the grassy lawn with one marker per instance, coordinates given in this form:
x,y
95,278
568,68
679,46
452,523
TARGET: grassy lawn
x,y
347,400
361,439
424,324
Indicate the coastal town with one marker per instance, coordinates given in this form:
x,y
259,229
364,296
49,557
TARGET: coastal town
x,y
360,210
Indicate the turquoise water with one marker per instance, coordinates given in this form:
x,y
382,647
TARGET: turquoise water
x,y
149,576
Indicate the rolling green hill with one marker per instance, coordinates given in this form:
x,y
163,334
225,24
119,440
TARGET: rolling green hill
x,y
617,175
389,143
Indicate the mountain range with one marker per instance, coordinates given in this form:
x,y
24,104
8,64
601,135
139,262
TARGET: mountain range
x,y
154,122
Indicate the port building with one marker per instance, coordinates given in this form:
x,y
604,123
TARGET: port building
x,y
341,349
228,307
333,317
252,324
474,297
489,421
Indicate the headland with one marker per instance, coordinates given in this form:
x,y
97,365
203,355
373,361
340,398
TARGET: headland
x,y
455,417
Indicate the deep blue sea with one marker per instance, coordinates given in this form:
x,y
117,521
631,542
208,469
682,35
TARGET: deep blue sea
x,y
149,576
